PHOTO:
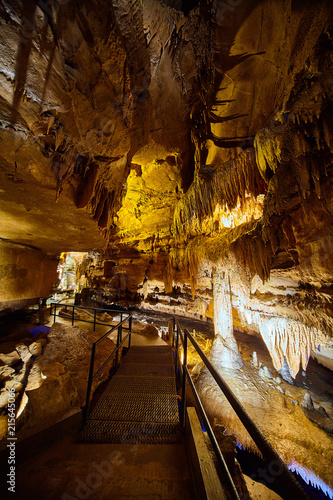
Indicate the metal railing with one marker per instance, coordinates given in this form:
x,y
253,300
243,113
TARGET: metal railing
x,y
120,340
115,352
291,488
96,310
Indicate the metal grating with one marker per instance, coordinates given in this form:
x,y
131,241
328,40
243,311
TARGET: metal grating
x,y
102,431
145,370
152,350
140,403
136,408
137,385
151,359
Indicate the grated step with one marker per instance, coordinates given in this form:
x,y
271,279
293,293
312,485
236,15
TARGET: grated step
x,y
131,433
137,408
145,385
140,403
145,370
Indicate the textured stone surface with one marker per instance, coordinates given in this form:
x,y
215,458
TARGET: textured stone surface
x,y
10,359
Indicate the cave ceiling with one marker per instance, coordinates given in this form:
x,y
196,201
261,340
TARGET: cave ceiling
x,y
154,126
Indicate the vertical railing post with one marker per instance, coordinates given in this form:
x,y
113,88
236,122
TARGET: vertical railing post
x,y
118,342
54,312
173,330
90,381
94,319
130,331
177,347
73,316
184,379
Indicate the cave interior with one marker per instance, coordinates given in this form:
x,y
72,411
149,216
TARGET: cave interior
x,y
170,158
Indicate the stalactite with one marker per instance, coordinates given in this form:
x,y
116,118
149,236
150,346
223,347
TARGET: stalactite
x,y
288,339
227,186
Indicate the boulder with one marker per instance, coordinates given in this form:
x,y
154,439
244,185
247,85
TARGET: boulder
x,y
14,384
23,352
10,359
6,372
149,331
4,397
36,348
22,375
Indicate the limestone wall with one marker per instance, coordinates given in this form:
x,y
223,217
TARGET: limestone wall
x,y
25,275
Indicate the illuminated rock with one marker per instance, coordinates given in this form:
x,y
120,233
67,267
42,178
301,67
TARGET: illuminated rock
x,y
225,350
10,359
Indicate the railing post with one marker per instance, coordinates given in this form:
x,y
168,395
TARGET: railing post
x,y
90,381
130,331
54,312
173,330
177,347
94,319
184,380
118,342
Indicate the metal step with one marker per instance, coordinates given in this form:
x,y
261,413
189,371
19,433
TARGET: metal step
x,y
140,403
101,431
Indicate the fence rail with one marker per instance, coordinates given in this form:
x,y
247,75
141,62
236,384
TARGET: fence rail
x,y
120,341
291,488
96,310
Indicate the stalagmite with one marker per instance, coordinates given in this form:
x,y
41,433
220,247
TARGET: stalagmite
x,y
225,351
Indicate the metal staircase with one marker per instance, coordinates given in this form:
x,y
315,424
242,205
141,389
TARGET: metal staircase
x,y
140,403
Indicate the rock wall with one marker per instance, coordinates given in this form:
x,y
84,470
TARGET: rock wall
x,y
26,274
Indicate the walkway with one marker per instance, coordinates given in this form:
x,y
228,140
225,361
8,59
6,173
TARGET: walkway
x,y
139,404
124,462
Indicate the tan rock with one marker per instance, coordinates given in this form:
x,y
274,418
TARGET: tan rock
x,y
6,372
3,426
14,384
53,398
35,378
36,348
4,397
23,352
10,359
149,331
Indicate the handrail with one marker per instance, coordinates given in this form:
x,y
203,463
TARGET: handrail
x,y
53,312
288,483
120,341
